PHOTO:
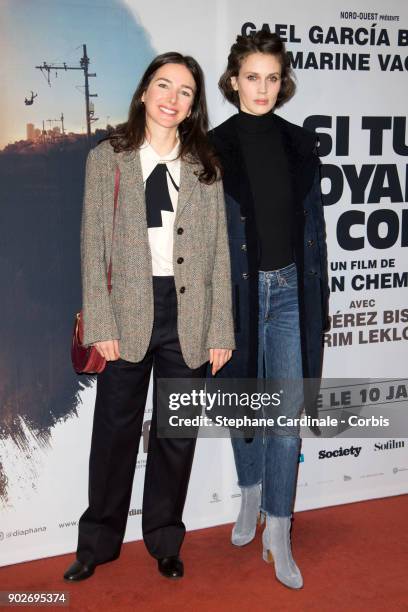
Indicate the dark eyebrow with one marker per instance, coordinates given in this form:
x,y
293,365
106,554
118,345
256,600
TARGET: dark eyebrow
x,y
257,73
168,81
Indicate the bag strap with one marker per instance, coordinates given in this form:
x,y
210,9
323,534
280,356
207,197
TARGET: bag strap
x,y
115,206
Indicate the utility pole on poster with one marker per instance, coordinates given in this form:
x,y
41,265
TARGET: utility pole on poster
x,y
83,65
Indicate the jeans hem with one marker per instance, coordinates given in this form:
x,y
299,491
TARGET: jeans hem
x,y
247,486
274,513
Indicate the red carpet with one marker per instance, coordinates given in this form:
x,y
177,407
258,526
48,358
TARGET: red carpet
x,y
353,558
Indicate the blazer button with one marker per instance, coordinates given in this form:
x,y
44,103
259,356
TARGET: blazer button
x,y
305,212
245,275
312,272
180,260
180,231
310,243
242,218
243,247
182,289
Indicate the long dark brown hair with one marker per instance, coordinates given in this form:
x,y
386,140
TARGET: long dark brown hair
x,y
192,131
258,42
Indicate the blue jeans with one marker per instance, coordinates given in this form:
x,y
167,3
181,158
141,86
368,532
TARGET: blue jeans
x,y
273,459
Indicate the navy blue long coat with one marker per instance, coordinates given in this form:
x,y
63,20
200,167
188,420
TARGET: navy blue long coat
x,y
309,250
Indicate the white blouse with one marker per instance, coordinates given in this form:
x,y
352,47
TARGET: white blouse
x,y
161,238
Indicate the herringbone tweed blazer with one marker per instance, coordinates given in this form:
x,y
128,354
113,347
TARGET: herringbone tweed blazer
x,y
202,278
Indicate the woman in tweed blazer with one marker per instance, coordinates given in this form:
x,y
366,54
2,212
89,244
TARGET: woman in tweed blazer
x,y
169,308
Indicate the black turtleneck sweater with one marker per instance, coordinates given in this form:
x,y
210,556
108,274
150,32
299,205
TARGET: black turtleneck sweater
x,y
269,177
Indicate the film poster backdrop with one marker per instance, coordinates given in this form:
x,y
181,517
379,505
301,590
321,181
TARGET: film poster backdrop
x,y
351,65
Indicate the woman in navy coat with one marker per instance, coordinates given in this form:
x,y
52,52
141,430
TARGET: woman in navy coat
x,y
279,278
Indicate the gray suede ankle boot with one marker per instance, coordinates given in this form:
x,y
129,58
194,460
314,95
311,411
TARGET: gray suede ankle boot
x,y
244,529
277,549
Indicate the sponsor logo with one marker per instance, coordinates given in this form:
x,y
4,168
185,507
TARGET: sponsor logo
x,y
340,452
301,458
319,482
346,477
378,446
399,469
215,499
372,475
1,536
302,484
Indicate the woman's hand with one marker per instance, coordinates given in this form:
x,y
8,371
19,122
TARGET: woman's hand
x,y
218,358
109,349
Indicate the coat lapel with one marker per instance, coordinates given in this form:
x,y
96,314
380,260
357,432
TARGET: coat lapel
x,y
132,189
131,223
131,176
300,145
188,180
132,202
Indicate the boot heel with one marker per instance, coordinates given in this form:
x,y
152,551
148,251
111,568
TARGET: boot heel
x,y
267,556
277,550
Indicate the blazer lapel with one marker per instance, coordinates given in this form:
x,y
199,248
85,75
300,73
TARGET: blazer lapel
x,y
131,189
131,178
188,180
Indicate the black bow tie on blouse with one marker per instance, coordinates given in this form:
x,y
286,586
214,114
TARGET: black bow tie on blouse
x,y
157,195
